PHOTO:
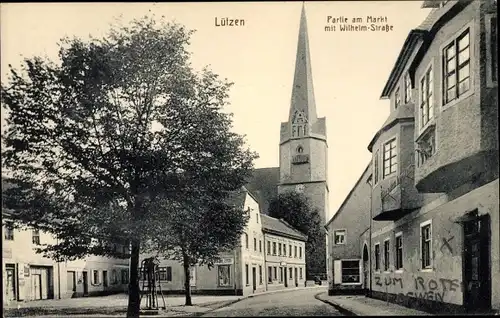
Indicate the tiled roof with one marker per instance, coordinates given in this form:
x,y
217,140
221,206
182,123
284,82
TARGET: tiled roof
x,y
264,186
278,226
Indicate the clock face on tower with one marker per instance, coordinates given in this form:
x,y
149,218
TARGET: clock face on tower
x,y
299,188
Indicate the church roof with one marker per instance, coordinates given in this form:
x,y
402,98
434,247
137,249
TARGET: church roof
x,y
264,186
280,227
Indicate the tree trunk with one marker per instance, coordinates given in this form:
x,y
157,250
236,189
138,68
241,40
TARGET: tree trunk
x,y
134,300
187,281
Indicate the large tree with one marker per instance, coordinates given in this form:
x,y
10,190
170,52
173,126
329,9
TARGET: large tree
x,y
296,209
116,136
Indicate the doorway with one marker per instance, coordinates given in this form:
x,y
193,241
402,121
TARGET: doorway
x,y
85,278
476,264
285,278
104,278
10,282
366,267
254,278
296,278
36,286
71,282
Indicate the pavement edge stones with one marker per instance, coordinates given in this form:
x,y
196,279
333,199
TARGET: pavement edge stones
x,y
342,310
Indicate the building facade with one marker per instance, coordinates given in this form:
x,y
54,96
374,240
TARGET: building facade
x,y
29,276
258,264
435,197
347,263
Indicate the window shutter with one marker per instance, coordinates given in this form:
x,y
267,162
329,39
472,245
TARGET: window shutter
x,y
337,271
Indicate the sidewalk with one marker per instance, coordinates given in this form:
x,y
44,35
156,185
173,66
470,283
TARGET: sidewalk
x,y
365,306
116,305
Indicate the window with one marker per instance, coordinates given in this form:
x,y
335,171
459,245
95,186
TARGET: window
x,y
425,248
300,273
426,99
279,249
255,244
377,257
291,272
284,249
290,250
165,273
268,248
295,251
399,251
270,274
275,273
339,236
281,274
260,246
246,240
456,68
260,274
257,216
247,280
390,156
300,251
376,167
491,49
407,88
350,272
95,277
9,232
124,250
35,237
274,248
386,255
124,276
114,277
224,275
397,102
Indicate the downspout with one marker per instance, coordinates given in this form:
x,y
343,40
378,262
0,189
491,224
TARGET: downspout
x,y
264,270
370,238
58,274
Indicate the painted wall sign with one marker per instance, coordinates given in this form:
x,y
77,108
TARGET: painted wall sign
x,y
300,159
225,261
6,253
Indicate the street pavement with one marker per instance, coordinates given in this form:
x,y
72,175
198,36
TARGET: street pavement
x,y
290,303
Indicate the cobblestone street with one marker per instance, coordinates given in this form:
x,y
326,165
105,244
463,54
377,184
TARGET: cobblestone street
x,y
294,303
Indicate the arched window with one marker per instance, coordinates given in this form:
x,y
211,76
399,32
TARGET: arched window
x,y
300,149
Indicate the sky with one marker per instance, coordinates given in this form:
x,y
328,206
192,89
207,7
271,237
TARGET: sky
x,y
349,68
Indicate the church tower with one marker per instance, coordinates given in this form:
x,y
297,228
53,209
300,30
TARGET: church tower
x,y
303,146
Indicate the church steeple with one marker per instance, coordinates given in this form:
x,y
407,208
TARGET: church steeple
x,y
303,106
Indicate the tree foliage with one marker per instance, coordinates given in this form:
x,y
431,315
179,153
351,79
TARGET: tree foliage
x,y
117,136
296,209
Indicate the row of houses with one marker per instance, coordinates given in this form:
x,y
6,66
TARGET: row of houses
x,y
421,225
271,256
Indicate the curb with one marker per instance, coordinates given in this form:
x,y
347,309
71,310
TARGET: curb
x,y
342,310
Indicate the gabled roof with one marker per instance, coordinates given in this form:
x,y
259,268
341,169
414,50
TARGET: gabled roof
x,y
434,20
280,227
264,186
349,195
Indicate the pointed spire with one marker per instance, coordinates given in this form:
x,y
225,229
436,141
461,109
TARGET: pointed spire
x,y
302,91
